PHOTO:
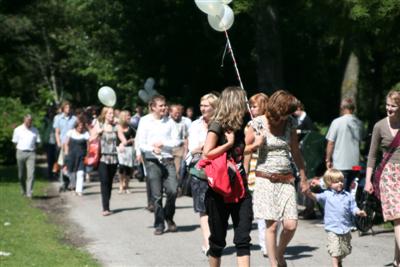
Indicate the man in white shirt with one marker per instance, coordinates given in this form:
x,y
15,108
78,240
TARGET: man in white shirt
x,y
180,133
155,141
26,137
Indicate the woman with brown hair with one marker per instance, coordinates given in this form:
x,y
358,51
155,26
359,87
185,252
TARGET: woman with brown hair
x,y
225,134
386,135
107,131
274,193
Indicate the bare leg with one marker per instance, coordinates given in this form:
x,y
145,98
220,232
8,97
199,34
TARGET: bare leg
x,y
205,229
289,228
335,261
214,262
243,261
397,242
270,235
121,182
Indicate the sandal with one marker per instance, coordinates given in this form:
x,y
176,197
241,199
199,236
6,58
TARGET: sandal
x,y
107,213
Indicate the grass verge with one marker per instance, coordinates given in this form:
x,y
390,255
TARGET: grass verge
x,y
27,233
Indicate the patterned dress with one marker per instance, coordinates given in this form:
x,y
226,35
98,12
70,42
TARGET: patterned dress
x,y
275,201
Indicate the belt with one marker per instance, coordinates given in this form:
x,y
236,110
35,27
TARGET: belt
x,y
162,161
276,177
28,150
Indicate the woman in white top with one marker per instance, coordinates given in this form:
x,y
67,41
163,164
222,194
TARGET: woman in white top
x,y
197,136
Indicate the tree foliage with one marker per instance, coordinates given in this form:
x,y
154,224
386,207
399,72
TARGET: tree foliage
x,y
66,49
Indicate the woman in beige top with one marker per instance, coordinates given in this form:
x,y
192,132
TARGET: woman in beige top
x,y
383,134
274,193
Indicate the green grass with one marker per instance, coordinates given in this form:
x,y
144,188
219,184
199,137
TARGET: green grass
x,y
27,233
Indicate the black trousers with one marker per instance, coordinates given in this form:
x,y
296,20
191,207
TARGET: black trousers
x,y
218,215
106,175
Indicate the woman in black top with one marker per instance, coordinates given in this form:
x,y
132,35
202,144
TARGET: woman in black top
x,y
126,140
225,134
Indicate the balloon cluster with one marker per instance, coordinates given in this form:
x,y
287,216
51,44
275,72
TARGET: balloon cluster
x,y
107,96
148,92
220,15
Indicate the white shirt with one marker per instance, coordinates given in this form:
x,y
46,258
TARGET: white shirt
x,y
187,121
197,134
151,131
26,138
74,134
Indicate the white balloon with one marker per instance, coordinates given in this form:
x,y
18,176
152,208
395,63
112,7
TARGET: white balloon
x,y
149,84
107,96
144,96
224,22
210,7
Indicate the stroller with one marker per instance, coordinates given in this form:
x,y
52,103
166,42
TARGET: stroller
x,y
367,202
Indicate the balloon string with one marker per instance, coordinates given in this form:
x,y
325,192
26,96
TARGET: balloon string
x,y
230,50
223,55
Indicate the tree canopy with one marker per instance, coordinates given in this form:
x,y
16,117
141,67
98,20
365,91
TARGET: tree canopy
x,y
67,49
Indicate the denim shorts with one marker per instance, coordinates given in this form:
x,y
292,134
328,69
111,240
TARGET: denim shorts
x,y
199,189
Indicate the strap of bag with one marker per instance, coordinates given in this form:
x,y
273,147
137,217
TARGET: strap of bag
x,y
393,145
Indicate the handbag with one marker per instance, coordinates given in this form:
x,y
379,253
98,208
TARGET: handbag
x,y
224,177
186,183
92,157
378,172
125,156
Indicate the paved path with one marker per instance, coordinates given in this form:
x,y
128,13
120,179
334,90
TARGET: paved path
x,y
126,238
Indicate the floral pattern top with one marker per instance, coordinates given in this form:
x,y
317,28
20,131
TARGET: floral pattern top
x,y
274,155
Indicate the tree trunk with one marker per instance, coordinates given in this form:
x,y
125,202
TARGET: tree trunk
x,y
350,79
268,47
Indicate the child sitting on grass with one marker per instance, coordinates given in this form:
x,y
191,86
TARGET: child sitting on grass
x,y
339,209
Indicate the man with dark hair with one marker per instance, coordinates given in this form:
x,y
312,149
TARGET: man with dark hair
x,y
155,140
26,137
344,137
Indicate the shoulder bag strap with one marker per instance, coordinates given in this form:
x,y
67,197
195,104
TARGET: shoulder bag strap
x,y
393,145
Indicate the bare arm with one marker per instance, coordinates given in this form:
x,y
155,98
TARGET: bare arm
x,y
211,150
329,152
298,159
58,138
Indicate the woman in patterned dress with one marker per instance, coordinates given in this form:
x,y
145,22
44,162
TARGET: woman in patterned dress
x,y
383,134
274,193
107,131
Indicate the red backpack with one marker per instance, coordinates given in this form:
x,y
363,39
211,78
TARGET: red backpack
x,y
224,177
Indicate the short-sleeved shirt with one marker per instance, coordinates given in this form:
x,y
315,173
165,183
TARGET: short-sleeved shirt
x,y
340,207
26,138
64,123
346,133
382,137
236,151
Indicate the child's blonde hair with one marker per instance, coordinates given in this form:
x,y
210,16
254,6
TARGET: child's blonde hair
x,y
332,176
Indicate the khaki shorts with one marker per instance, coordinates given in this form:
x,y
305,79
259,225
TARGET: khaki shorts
x,y
339,245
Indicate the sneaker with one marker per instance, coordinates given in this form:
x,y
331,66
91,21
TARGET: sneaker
x,y
158,231
127,191
171,226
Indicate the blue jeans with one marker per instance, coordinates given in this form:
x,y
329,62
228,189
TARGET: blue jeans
x,y
162,176
349,176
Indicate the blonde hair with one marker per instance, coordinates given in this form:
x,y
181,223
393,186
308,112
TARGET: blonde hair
x,y
211,98
261,100
122,118
103,113
332,176
394,95
231,108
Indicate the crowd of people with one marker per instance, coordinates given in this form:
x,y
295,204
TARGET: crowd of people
x,y
260,159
